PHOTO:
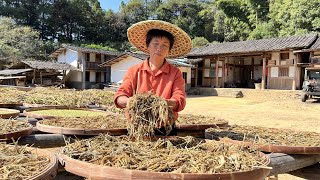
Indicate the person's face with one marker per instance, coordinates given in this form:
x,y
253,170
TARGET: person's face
x,y
159,46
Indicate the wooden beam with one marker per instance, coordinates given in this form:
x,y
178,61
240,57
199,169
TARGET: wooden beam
x,y
284,163
217,72
294,82
263,80
310,172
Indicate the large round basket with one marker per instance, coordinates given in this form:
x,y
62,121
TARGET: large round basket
x,y
10,105
79,131
32,112
49,172
16,135
197,130
93,171
8,113
272,148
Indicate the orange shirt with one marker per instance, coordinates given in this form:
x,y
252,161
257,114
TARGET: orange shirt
x,y
167,83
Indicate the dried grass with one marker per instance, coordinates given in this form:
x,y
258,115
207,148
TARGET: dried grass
x,y
11,126
262,135
178,155
16,162
148,112
96,122
199,119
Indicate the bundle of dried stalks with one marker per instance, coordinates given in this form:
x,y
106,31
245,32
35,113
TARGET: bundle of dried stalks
x,y
16,162
199,119
11,126
148,112
178,155
262,135
96,122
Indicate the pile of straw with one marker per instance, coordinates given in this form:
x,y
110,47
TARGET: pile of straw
x,y
148,112
176,155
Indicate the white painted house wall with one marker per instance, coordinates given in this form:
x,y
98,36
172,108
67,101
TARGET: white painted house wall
x,y
119,69
70,57
188,71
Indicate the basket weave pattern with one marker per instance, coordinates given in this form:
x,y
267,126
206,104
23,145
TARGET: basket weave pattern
x,y
137,35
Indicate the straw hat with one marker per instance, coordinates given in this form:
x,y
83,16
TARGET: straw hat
x,y
137,35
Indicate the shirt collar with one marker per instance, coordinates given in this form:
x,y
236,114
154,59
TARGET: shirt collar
x,y
164,69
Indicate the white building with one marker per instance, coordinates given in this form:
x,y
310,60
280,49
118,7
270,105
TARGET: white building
x,y
120,64
91,75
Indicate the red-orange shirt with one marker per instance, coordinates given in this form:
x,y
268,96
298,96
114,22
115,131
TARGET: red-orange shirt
x,y
167,83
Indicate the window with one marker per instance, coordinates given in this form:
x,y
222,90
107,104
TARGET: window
x,y
98,77
283,72
87,75
184,75
98,58
284,56
87,56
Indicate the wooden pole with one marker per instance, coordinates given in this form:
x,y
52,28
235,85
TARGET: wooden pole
x,y
34,76
223,72
217,72
294,82
196,76
284,163
41,77
264,63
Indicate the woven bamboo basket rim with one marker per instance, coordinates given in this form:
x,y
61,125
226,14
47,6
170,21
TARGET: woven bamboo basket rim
x,y
17,134
11,113
200,126
50,171
272,148
32,111
10,105
79,131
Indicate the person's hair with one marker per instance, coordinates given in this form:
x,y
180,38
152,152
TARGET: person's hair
x,y
159,33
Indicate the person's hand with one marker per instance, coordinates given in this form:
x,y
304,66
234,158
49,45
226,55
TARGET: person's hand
x,y
127,110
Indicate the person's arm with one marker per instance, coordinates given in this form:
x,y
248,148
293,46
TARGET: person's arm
x,y
125,90
178,99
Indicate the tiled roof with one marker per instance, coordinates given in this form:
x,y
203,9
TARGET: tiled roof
x,y
48,65
86,50
262,45
316,45
142,56
13,71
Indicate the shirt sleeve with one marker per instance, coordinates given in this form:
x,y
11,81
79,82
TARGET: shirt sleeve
x,y
126,88
178,91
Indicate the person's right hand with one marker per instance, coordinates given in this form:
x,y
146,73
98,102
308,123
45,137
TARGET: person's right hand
x,y
127,111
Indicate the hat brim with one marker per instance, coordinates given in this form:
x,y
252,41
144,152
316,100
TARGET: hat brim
x,y
137,35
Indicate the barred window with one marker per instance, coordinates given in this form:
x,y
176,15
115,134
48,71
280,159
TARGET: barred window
x,y
283,72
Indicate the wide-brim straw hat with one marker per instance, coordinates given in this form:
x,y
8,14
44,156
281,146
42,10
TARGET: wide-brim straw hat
x,y
137,35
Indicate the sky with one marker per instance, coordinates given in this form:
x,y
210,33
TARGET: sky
x,y
111,4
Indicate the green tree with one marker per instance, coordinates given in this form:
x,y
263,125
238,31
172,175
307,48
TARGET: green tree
x,y
199,41
295,17
17,41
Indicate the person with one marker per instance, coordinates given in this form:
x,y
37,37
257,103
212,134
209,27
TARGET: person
x,y
158,39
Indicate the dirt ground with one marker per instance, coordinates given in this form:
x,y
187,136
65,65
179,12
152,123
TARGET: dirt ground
x,y
267,108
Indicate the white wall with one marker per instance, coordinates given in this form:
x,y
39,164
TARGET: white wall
x,y
70,57
119,69
92,76
188,71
